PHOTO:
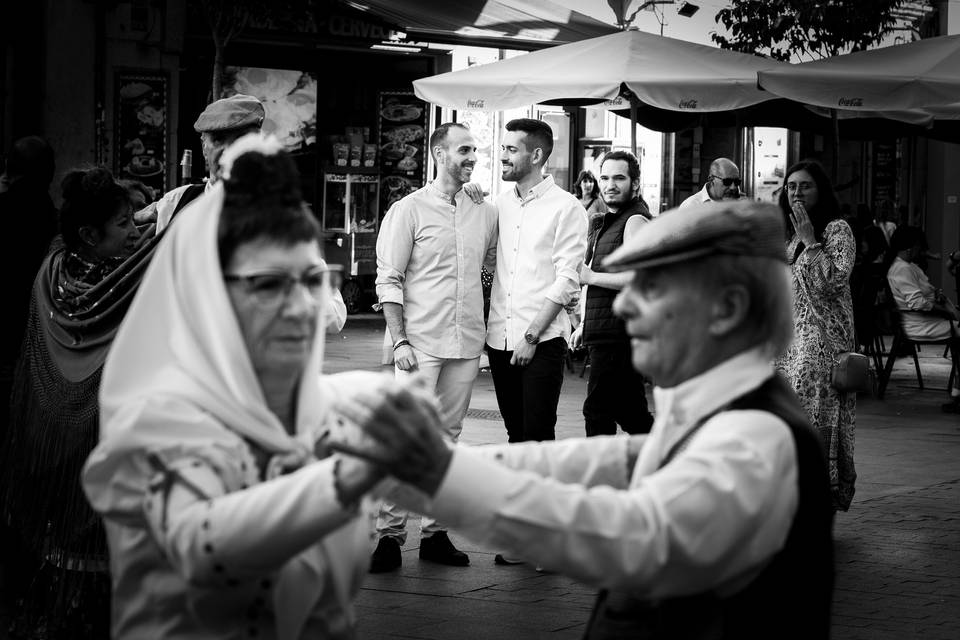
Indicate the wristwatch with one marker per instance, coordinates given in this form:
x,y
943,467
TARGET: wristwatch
x,y
531,339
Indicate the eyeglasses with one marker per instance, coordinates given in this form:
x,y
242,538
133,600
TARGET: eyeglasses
x,y
727,182
272,288
802,186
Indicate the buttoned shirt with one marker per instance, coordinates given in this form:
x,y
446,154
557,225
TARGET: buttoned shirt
x,y
543,238
429,253
915,297
712,516
698,198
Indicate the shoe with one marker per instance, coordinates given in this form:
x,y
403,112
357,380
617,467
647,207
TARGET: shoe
x,y
504,561
386,557
951,407
438,548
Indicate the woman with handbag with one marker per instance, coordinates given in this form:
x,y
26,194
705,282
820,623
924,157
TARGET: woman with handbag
x,y
821,252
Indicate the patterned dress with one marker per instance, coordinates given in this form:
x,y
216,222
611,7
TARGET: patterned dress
x,y
823,317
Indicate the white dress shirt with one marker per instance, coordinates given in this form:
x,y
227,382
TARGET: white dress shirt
x,y
429,254
167,204
711,517
543,238
698,198
915,296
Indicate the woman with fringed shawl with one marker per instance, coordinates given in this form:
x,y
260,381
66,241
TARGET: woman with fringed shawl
x,y
225,515
80,294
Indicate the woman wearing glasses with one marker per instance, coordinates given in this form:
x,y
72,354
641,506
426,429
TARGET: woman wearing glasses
x,y
821,251
225,515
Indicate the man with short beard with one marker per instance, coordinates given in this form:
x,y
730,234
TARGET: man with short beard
x,y
430,250
615,390
723,183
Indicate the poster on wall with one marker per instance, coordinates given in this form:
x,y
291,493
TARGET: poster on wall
x,y
402,127
141,128
289,100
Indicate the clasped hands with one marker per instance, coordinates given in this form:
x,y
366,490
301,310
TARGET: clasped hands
x,y
802,225
403,432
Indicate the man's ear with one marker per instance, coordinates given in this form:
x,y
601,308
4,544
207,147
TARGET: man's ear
x,y
90,236
729,310
536,156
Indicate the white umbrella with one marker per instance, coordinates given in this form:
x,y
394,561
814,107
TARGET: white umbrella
x,y
661,72
922,75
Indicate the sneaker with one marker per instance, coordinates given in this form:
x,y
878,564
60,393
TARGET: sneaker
x,y
505,561
438,548
386,557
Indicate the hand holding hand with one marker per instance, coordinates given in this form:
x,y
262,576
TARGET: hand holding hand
x,y
800,220
474,192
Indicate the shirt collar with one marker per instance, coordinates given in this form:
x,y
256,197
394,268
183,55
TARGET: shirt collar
x,y
698,397
442,195
537,191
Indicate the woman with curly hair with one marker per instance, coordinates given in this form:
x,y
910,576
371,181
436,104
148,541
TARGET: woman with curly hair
x,y
588,192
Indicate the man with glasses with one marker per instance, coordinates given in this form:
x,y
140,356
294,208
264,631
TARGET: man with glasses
x,y
723,183
431,247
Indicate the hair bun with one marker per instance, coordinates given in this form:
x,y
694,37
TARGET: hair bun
x,y
256,168
87,184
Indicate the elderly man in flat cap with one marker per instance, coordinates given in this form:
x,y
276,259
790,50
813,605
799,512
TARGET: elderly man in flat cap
x,y
715,525
219,125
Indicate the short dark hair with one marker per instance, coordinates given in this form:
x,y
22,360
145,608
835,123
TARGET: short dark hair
x,y
633,165
537,130
90,198
905,236
439,135
827,208
578,185
263,202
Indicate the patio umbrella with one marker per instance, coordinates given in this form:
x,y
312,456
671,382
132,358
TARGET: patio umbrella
x,y
922,75
656,72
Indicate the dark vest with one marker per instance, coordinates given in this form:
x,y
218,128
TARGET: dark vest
x,y
789,599
599,323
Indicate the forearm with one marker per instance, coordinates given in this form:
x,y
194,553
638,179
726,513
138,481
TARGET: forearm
x,y
393,314
548,311
615,281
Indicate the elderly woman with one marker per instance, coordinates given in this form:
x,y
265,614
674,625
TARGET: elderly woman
x,y
821,252
588,192
79,296
225,516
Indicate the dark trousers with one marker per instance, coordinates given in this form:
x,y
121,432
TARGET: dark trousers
x,y
528,396
615,393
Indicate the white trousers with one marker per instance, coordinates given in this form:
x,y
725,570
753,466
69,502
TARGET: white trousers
x,y
453,379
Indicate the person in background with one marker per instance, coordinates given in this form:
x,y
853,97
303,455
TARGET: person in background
x,y
221,123
430,251
79,297
867,283
715,525
588,192
821,253
140,194
886,219
723,183
925,312
613,391
225,513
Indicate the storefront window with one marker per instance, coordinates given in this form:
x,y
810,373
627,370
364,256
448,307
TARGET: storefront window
x,y
769,162
558,165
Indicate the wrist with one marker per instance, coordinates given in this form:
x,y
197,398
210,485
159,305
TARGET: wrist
x,y
531,337
401,343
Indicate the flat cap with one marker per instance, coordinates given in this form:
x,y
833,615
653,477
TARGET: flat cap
x,y
739,228
236,112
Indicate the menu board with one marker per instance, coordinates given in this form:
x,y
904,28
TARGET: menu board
x,y
141,113
884,174
402,135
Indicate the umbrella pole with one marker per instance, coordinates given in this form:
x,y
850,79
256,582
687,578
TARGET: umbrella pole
x,y
835,121
633,125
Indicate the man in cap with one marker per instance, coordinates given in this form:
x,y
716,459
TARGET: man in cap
x,y
219,125
717,523
615,389
723,183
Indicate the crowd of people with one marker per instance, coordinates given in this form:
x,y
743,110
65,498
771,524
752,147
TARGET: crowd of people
x,y
175,464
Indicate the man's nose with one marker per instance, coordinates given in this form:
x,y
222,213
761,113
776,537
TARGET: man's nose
x,y
621,304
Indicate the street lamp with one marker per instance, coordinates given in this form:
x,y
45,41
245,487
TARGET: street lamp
x,y
687,9
620,8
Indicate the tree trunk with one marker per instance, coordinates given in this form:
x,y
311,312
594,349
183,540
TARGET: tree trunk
x,y
216,85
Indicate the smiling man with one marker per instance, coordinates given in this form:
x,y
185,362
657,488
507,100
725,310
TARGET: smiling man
x,y
430,249
716,524
615,389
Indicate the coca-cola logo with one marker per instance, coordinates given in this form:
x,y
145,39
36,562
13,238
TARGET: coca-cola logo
x,y
475,104
688,104
851,102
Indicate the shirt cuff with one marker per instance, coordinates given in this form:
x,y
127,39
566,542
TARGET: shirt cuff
x,y
563,290
390,294
462,499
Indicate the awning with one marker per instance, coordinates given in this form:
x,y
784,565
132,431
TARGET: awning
x,y
505,24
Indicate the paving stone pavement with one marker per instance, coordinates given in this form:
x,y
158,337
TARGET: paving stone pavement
x,y
897,549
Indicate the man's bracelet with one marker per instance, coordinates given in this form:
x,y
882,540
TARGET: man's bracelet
x,y
401,342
